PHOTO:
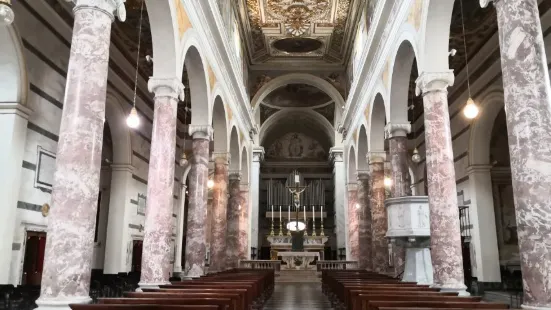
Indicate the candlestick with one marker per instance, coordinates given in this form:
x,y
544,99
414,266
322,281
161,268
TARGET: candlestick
x,y
272,213
280,223
289,220
297,178
305,223
313,220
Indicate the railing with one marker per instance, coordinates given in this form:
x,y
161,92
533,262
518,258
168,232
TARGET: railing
x,y
465,222
336,265
260,264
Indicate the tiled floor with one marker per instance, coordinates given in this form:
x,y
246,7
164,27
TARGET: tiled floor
x,y
295,296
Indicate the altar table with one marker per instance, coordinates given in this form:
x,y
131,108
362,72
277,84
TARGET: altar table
x,y
298,260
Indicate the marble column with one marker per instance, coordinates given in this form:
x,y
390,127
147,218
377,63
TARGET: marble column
x,y
258,156
244,222
336,158
13,134
71,224
180,230
401,179
198,196
528,107
233,219
220,210
447,259
363,214
160,184
379,222
353,253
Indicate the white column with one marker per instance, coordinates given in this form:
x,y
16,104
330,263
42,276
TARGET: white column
x,y
482,215
117,256
258,156
180,230
336,157
13,134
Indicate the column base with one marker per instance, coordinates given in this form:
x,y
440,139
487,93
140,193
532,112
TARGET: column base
x,y
418,266
150,286
61,304
461,291
535,308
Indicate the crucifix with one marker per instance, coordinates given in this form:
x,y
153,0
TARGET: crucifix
x,y
296,190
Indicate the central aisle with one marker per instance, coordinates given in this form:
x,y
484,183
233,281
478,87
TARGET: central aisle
x,y
295,296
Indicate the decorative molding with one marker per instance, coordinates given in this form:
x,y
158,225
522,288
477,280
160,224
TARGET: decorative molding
x,y
235,175
201,131
166,87
258,154
485,3
45,169
222,157
434,82
362,175
397,130
336,155
15,108
376,157
141,203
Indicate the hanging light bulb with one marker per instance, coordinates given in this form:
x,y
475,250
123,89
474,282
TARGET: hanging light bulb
x,y
416,158
470,110
388,182
183,159
6,13
210,184
133,120
357,206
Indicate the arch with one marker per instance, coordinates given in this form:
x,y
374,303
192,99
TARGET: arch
x,y
479,140
198,81
13,80
376,141
115,116
362,149
162,20
297,78
244,166
308,115
220,126
234,150
436,43
400,81
351,176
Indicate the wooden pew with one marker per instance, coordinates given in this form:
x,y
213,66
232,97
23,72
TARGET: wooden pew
x,y
376,305
226,303
237,296
145,307
364,299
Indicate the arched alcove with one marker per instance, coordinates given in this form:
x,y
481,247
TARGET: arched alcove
x,y
220,126
400,85
351,164
436,36
362,150
198,84
234,150
377,125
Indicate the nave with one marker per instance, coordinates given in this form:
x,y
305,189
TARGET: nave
x,y
294,296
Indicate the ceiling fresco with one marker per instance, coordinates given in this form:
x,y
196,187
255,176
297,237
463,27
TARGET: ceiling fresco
x,y
297,96
319,30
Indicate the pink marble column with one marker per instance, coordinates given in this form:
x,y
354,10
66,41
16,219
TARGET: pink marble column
x,y
363,214
379,222
71,224
220,209
447,259
234,212
160,184
527,103
244,222
401,179
353,222
198,196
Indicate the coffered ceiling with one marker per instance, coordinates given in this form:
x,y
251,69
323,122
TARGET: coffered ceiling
x,y
298,32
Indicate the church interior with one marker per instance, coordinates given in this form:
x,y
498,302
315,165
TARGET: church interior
x,y
275,154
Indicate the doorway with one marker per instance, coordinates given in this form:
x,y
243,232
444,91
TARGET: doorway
x,y
137,247
33,262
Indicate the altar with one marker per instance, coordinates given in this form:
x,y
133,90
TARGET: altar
x,y
298,260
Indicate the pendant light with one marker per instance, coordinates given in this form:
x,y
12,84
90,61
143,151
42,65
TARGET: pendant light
x,y
133,119
6,13
416,158
470,110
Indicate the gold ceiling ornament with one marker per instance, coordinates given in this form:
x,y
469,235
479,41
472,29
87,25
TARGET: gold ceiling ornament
x,y
297,15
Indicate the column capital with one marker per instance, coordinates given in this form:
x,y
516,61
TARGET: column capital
x,y
244,187
183,186
351,187
166,87
200,131
362,175
122,168
235,175
376,157
221,157
258,154
15,108
479,169
336,155
109,7
397,129
434,82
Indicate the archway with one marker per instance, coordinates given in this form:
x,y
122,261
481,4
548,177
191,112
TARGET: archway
x,y
436,36
362,150
377,125
234,150
162,24
198,85
402,74
220,126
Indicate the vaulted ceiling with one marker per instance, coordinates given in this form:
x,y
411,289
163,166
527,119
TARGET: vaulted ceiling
x,y
299,32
